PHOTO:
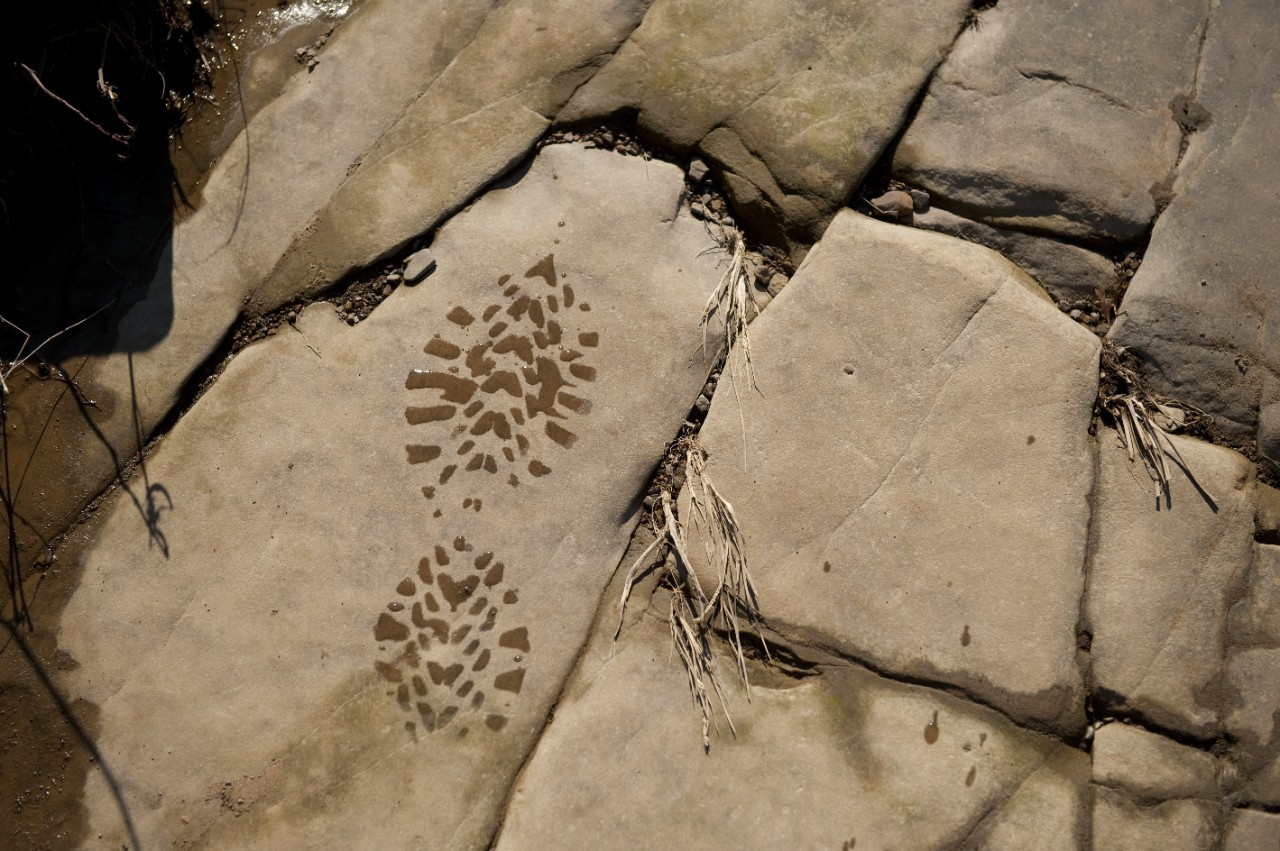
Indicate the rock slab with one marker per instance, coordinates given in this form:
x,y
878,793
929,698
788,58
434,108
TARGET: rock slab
x,y
834,757
911,479
387,541
792,101
1202,309
1058,119
1162,577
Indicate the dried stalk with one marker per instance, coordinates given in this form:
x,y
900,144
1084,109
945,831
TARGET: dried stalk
x,y
1142,421
694,614
731,301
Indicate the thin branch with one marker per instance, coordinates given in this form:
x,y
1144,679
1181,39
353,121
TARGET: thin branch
x,y
115,137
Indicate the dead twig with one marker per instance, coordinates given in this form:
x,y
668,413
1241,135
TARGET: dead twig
x,y
115,137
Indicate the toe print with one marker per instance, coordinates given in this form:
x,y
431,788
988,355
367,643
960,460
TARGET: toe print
x,y
512,376
448,653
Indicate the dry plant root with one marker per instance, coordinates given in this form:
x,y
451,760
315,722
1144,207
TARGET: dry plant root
x,y
695,614
731,302
1143,422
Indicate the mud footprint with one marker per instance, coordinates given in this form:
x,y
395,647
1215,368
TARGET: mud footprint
x,y
448,642
520,364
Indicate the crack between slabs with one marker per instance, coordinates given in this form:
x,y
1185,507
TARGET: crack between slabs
x,y
604,612
1135,718
1054,77
798,639
1184,143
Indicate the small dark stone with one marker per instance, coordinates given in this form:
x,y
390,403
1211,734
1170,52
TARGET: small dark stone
x,y
894,205
698,170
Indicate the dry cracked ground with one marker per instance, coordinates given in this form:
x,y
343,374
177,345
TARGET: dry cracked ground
x,y
359,583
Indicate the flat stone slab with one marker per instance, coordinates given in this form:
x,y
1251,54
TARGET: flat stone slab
x,y
1067,272
1252,830
792,101
1202,309
1182,825
263,191
1253,679
476,120
911,480
1179,563
834,757
1058,119
387,541
1150,766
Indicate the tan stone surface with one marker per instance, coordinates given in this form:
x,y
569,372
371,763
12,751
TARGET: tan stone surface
x,y
1162,577
1202,309
1058,118
1252,830
912,475
256,688
1050,810
265,188
1066,271
1122,824
792,100
836,760
476,120
1147,765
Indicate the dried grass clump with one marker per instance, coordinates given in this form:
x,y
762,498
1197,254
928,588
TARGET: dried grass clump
x,y
731,303
1142,420
695,614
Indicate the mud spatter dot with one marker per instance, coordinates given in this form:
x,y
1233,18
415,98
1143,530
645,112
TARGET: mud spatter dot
x,y
931,730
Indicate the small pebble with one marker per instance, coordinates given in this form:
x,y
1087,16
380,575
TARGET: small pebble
x,y
776,283
347,305
703,404
920,200
717,204
386,290
698,170
1076,313
419,265
606,138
